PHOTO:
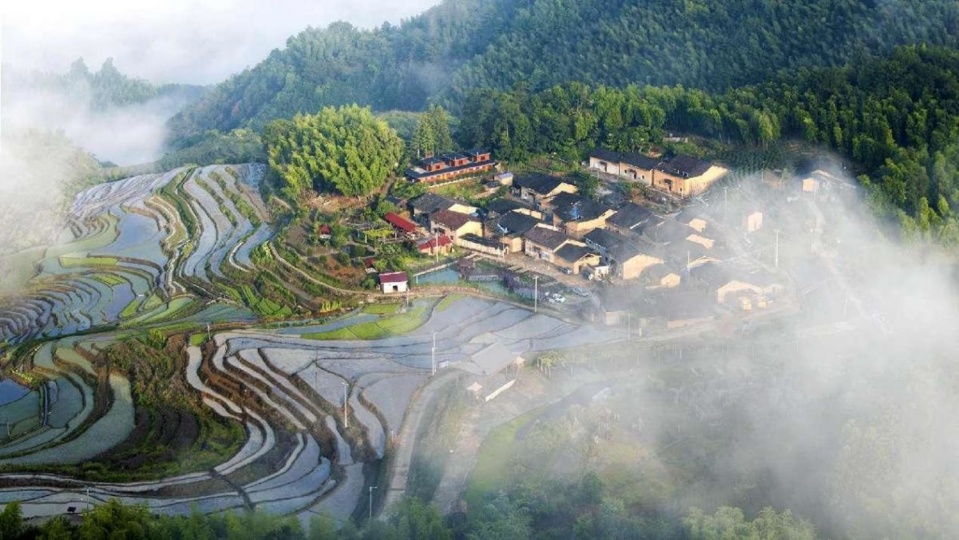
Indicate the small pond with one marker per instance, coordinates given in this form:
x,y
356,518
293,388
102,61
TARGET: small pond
x,y
449,276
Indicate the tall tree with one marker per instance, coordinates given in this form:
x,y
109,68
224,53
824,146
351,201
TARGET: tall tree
x,y
346,150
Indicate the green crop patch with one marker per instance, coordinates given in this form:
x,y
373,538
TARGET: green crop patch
x,y
67,261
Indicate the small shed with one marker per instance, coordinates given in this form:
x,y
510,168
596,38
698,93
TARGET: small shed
x,y
394,282
400,223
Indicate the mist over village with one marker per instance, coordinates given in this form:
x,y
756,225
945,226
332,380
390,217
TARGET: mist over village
x,y
477,269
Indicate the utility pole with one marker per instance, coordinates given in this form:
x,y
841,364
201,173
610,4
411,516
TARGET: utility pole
x,y
777,249
346,418
433,355
371,502
535,294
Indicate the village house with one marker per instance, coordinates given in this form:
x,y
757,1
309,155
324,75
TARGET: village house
x,y
727,284
632,218
394,282
707,243
643,310
676,308
454,224
509,229
437,245
574,256
686,176
680,175
503,206
627,256
428,203
542,241
693,218
578,215
668,232
634,166
488,246
539,189
620,303
448,167
661,276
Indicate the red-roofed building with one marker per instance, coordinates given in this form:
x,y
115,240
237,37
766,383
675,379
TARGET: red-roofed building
x,y
437,244
401,224
394,282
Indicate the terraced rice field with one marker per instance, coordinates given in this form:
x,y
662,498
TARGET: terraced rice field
x,y
127,247
287,391
163,252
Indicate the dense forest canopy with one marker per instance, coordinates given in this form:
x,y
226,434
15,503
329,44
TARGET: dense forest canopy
x,y
897,117
346,150
463,45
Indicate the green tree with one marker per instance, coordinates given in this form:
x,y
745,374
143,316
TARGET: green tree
x,y
414,520
11,521
729,523
114,520
346,150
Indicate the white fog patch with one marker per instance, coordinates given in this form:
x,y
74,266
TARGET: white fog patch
x,y
850,414
126,135
175,41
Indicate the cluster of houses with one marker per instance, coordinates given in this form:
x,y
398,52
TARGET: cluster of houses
x,y
678,175
546,218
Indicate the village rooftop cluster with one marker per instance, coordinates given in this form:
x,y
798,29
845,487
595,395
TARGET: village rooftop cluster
x,y
671,265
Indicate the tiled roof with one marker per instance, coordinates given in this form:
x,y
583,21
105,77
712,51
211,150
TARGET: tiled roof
x,y
684,166
540,183
453,220
393,277
573,252
441,241
515,223
546,237
400,223
431,202
630,215
572,207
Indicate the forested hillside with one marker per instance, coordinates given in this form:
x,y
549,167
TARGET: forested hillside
x,y
897,117
392,67
463,45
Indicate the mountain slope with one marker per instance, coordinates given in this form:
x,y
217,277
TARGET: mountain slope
x,y
462,45
388,68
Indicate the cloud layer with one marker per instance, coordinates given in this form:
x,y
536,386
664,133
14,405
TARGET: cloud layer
x,y
174,40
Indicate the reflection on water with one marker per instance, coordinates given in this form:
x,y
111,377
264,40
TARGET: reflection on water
x,y
10,391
